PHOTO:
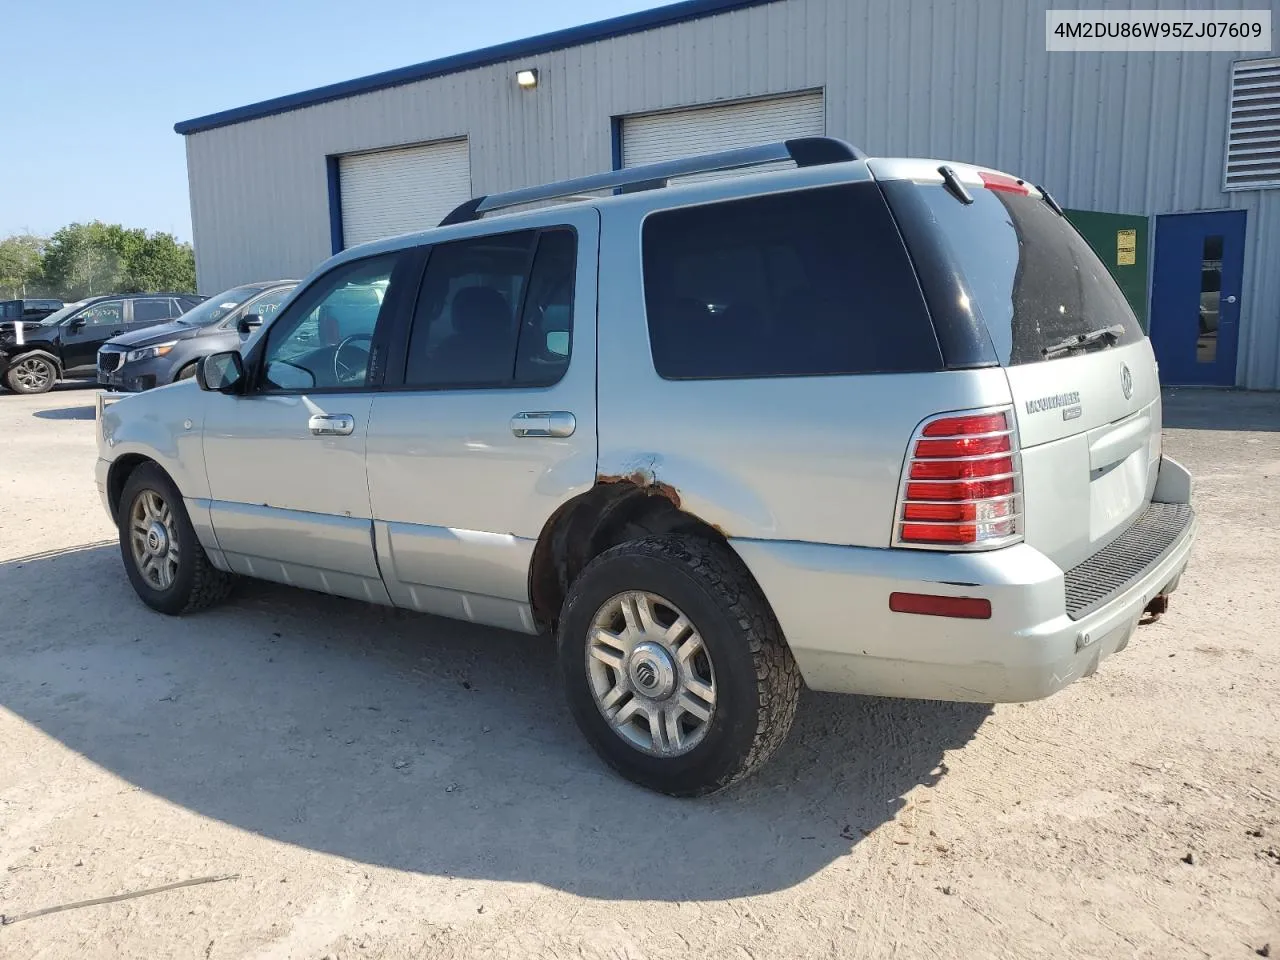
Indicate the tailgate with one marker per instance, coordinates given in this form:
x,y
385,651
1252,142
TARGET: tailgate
x,y
1089,427
1081,372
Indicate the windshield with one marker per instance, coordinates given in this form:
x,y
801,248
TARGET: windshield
x,y
60,315
1033,278
217,308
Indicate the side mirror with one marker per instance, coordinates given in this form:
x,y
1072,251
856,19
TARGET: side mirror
x,y
248,323
75,324
221,372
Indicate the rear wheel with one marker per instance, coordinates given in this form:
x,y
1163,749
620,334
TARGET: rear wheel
x,y
674,666
32,374
164,560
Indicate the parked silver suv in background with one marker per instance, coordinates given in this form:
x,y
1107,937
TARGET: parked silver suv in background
x,y
883,426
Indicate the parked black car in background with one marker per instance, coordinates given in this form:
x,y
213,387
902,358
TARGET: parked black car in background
x,y
155,356
64,345
29,309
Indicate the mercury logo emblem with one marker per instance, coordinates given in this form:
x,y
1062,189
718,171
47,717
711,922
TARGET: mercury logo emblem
x,y
1126,381
646,674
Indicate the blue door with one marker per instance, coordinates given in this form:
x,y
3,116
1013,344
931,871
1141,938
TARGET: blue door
x,y
1195,296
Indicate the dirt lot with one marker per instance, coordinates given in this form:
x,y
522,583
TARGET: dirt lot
x,y
386,785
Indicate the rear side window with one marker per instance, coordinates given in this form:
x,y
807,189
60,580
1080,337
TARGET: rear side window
x,y
495,311
1031,276
153,311
806,283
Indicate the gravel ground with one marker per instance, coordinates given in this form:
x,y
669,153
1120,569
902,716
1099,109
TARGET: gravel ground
x,y
387,785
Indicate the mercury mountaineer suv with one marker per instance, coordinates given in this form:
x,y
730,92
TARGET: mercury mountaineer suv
x,y
878,426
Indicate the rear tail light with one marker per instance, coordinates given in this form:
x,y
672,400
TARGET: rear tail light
x,y
961,486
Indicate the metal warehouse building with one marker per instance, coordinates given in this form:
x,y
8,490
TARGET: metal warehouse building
x,y
1168,162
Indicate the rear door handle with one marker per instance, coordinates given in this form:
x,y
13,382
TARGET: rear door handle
x,y
544,423
332,424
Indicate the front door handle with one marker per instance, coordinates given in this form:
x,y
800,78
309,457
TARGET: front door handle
x,y
332,424
544,423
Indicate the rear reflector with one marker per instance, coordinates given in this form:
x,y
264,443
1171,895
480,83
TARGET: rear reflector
x,y
1000,181
928,605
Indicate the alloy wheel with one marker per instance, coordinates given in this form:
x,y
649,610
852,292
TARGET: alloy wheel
x,y
153,538
33,373
650,674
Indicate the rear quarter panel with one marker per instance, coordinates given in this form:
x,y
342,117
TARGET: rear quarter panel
x,y
814,459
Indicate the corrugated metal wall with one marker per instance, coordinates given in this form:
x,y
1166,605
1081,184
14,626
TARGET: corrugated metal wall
x,y
1127,133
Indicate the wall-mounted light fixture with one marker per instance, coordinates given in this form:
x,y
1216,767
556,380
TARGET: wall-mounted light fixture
x,y
527,79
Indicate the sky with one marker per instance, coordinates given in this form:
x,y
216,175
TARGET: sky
x,y
91,90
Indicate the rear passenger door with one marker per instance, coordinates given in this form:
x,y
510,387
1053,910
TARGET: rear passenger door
x,y
486,425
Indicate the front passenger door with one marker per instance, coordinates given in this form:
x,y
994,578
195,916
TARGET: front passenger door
x,y
285,461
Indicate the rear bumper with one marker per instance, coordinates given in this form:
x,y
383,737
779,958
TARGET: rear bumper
x,y
833,605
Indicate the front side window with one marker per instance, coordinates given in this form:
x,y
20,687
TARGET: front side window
x,y
101,314
325,338
153,311
805,283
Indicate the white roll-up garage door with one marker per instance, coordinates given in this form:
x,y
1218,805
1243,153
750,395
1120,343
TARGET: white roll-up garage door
x,y
649,138
402,190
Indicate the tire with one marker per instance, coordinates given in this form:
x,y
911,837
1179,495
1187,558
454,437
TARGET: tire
x,y
187,372
174,584
742,665
31,374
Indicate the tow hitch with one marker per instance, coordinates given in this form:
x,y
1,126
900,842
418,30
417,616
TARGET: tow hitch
x,y
1155,609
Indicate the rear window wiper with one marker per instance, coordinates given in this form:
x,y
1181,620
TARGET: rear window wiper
x,y
1080,340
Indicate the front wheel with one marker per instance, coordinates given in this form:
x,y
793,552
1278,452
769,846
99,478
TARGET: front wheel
x,y
674,666
162,556
32,374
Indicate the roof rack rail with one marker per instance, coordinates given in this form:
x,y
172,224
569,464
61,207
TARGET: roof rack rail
x,y
804,151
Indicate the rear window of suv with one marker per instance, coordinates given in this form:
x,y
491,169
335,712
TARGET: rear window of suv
x,y
804,283
1031,276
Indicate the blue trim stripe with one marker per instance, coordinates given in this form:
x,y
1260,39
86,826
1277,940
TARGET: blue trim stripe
x,y
615,141
332,171
530,47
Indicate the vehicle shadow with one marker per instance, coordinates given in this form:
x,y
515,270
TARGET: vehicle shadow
x,y
1206,408
427,745
66,413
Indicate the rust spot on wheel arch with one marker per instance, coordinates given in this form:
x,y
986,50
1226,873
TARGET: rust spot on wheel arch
x,y
646,481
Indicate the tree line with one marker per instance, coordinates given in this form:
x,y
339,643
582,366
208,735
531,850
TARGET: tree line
x,y
86,259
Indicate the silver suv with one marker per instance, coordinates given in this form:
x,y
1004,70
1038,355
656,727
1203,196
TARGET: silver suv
x,y
875,426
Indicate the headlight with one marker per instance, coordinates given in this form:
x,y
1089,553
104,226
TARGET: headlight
x,y
146,353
